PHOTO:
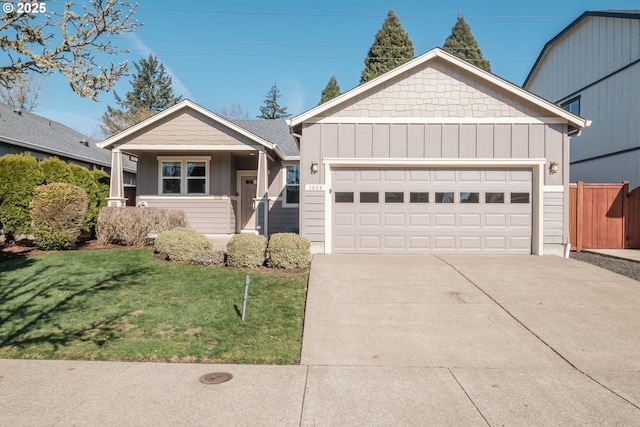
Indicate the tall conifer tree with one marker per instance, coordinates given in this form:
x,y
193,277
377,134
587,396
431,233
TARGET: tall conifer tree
x,y
462,44
391,48
150,93
330,91
271,109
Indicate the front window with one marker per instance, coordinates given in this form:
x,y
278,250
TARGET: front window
x,y
184,176
292,185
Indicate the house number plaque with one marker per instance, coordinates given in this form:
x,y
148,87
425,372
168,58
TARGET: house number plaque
x,y
315,187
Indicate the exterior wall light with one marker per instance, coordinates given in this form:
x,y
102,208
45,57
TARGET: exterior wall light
x,y
314,168
553,168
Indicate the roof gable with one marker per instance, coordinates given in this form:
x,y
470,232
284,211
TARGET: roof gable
x,y
446,64
624,14
167,125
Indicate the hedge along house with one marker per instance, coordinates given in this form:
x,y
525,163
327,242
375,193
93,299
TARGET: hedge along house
x,y
436,155
228,177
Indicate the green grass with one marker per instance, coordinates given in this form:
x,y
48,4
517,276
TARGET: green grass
x,y
127,305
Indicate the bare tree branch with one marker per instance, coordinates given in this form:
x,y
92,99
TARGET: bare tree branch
x,y
66,42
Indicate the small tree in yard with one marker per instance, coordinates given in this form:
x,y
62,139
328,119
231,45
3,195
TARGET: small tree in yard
x,y
57,212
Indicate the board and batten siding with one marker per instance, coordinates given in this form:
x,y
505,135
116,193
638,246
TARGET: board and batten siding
x,y
594,48
597,60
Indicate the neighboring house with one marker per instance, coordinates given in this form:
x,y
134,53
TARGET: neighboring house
x,y
228,177
592,68
435,156
22,132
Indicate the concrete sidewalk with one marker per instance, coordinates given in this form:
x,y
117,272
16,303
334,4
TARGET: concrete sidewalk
x,y
389,340
628,254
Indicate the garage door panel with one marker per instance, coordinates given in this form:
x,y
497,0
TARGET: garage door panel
x,y
444,220
470,220
405,215
369,242
394,220
369,219
345,219
419,242
419,220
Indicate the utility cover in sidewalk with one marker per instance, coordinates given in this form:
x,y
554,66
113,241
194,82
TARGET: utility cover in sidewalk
x,y
216,378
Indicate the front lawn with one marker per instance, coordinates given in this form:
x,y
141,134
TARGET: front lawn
x,y
127,305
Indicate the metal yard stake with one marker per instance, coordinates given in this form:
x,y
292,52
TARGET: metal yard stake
x,y
246,294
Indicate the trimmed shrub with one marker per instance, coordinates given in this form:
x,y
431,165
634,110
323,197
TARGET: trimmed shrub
x,y
55,170
132,226
288,250
57,212
246,250
213,258
19,176
181,244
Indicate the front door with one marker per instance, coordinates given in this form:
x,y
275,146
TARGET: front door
x,y
248,188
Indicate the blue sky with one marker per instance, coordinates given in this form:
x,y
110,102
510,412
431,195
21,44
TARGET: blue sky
x,y
224,53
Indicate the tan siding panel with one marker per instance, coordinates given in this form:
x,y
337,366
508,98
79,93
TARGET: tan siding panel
x,y
205,215
364,140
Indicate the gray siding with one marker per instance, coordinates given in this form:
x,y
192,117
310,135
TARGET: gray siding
x,y
554,218
206,215
589,61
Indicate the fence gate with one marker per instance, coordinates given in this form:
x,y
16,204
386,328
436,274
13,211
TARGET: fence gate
x,y
604,216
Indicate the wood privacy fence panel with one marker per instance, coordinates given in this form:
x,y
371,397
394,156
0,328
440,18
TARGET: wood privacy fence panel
x,y
604,216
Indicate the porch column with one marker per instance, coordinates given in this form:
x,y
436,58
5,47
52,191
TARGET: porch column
x,y
261,202
116,184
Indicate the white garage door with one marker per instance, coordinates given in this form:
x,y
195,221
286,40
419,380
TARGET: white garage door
x,y
383,210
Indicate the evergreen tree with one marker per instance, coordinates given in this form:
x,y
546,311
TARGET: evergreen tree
x,y
462,44
151,93
271,109
330,91
391,48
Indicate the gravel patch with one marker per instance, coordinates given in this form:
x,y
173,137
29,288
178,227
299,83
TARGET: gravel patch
x,y
621,266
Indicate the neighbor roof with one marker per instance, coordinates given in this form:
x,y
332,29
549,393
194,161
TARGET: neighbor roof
x,y
37,133
574,121
625,14
275,130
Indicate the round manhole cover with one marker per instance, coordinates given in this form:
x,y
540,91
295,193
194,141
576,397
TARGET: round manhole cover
x,y
216,378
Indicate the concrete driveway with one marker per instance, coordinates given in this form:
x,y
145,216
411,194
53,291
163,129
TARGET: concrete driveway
x,y
501,340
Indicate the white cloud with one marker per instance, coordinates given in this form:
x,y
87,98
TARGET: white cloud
x,y
179,87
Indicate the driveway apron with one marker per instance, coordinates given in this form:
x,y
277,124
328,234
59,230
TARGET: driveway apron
x,y
470,340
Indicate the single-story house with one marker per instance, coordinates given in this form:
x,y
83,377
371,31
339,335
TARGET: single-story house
x,y
228,177
25,132
435,156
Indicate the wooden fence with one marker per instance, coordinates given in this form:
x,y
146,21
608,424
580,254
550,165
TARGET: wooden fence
x,y
604,216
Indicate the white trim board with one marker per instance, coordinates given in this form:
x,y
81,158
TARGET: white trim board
x,y
436,120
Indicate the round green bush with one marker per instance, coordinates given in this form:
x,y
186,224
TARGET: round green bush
x,y
288,250
181,244
57,215
246,250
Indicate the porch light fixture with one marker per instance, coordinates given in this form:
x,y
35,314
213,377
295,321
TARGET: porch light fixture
x,y
314,168
553,168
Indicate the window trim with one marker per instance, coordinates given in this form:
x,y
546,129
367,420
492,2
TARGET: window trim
x,y
567,104
285,204
183,160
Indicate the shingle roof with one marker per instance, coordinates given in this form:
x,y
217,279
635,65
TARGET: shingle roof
x,y
275,131
35,132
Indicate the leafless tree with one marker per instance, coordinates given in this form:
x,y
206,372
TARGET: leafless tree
x,y
24,93
43,41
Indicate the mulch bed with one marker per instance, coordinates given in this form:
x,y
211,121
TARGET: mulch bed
x,y
25,248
